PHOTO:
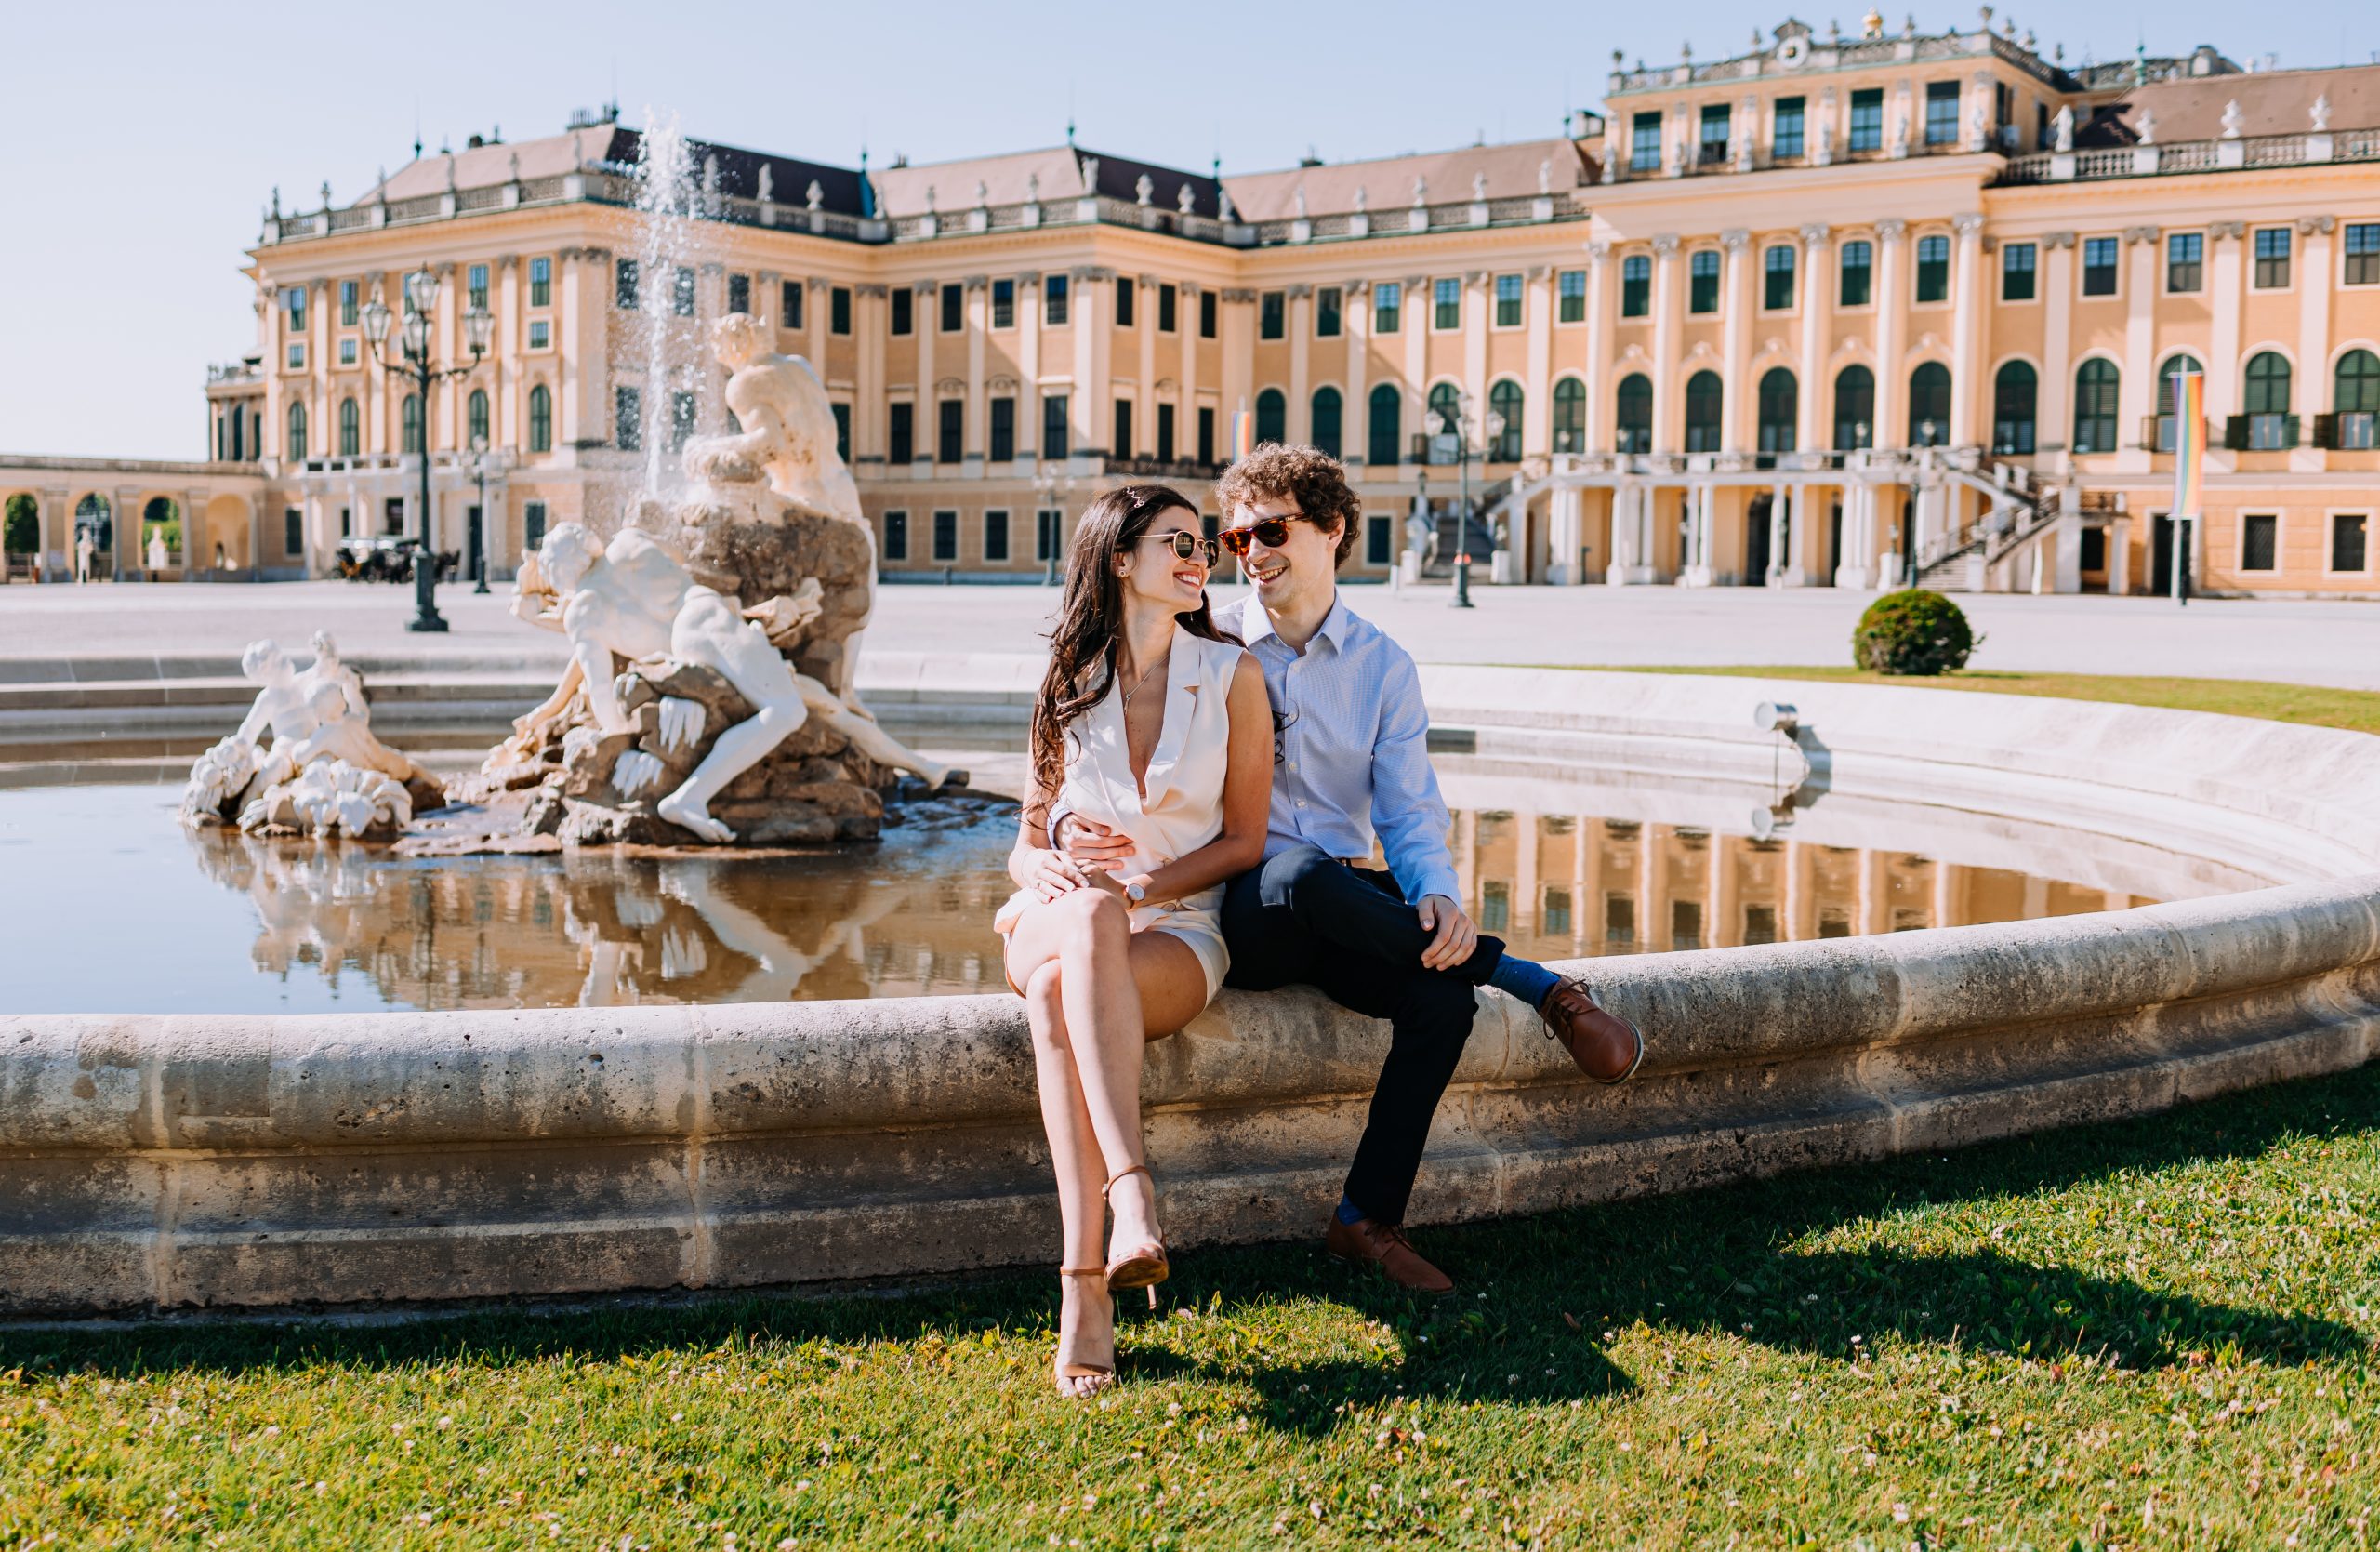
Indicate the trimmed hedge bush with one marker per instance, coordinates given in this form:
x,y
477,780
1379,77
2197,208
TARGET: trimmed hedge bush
x,y
1913,632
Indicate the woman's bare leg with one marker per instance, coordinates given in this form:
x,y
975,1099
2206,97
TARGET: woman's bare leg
x,y
1085,1320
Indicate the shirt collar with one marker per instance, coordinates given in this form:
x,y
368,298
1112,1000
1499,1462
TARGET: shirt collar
x,y
1257,625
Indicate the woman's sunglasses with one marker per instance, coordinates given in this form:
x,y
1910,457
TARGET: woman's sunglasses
x,y
1187,545
1270,532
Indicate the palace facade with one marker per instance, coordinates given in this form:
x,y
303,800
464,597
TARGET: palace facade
x,y
1840,309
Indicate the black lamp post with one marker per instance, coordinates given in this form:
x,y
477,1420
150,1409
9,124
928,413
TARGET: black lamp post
x,y
479,532
1459,426
413,337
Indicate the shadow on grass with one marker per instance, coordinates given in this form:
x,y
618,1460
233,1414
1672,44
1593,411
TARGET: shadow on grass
x,y
1712,1262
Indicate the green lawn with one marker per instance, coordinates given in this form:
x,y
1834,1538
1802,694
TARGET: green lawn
x,y
2357,710
2158,1334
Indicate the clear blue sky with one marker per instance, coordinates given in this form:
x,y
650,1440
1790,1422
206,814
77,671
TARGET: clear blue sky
x,y
147,137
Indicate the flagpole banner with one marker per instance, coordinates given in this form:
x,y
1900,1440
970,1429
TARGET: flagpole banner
x,y
2190,443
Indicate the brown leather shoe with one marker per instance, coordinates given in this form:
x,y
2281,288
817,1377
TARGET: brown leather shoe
x,y
1606,1047
1385,1245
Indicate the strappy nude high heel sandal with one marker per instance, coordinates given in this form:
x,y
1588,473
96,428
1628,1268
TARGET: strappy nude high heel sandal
x,y
1146,1266
1079,1381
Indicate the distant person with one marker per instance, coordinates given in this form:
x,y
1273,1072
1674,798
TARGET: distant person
x,y
1152,723
85,551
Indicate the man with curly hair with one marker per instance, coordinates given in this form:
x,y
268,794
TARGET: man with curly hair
x,y
1351,762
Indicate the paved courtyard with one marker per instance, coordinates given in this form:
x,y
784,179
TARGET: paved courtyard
x,y
2297,640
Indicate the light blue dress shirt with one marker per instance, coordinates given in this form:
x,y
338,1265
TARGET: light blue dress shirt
x,y
1350,745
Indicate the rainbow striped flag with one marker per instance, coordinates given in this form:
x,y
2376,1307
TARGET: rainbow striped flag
x,y
2190,443
1243,433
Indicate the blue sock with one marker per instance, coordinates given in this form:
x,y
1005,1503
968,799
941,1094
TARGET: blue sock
x,y
1526,979
1348,1211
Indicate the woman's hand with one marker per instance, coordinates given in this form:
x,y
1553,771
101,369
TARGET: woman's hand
x,y
1048,874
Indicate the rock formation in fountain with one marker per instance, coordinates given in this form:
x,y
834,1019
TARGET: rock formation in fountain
x,y
305,759
709,694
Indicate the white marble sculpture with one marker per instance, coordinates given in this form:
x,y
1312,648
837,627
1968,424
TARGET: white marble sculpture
x,y
634,599
331,797
789,424
265,773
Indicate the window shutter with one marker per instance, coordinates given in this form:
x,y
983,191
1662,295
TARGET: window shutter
x,y
2235,433
2326,431
2148,431
2289,431
1421,448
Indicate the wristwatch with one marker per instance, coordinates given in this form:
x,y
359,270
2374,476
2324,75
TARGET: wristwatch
x,y
1136,893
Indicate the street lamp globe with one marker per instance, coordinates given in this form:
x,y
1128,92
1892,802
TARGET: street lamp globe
x,y
375,322
421,290
1437,424
477,326
1495,425
416,331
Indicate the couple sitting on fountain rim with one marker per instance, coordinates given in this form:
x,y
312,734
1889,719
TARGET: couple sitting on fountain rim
x,y
1201,809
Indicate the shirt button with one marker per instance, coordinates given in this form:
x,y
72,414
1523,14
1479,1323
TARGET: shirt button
x,y
1301,803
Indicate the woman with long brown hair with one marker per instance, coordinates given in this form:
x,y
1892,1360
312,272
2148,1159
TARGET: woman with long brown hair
x,y
1154,723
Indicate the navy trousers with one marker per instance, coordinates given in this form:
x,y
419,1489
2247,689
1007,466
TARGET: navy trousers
x,y
1303,917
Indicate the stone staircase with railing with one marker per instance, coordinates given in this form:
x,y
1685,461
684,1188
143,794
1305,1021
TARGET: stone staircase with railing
x,y
2017,512
1477,535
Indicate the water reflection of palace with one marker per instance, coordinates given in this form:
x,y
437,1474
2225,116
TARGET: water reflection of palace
x,y
1560,886
593,929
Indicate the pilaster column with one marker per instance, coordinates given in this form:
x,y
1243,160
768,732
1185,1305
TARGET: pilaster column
x,y
1968,387
1479,299
1818,301
511,410
1185,430
2309,387
1892,284
1238,329
1028,367
1780,509
1091,322
1564,538
2053,426
925,316
2225,285
1669,318
871,321
979,301
1537,409
1735,418
1417,353
1356,418
2136,391
1300,420
1598,346
817,304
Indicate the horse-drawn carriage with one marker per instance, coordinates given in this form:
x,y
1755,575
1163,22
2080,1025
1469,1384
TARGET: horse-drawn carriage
x,y
390,558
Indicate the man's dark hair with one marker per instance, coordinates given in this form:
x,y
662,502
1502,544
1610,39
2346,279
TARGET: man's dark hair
x,y
1309,476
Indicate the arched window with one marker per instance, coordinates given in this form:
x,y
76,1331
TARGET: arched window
x,y
1569,416
1702,402
2269,423
2095,382
1387,429
1929,406
2175,365
541,419
2355,399
1272,416
1446,402
475,416
409,421
1854,408
2014,391
1504,400
295,446
1635,412
1780,406
1327,418
350,428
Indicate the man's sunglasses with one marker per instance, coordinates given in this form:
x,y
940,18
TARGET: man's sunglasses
x,y
1187,545
1270,532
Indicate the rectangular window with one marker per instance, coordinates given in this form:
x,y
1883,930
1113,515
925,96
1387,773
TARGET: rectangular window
x,y
292,530
1713,150
476,284
842,430
533,526
2351,535
1053,300
1933,269
2364,255
1272,313
1496,906
1388,307
1164,433
2272,259
996,536
789,305
1555,920
1508,301
1785,140
1326,313
681,420
1053,426
1206,301
296,294
349,308
954,309
1046,525
1571,296
2185,261
1003,304
950,429
296,357
1867,119
1776,278
347,352
903,309
1702,281
1636,285
1003,450
624,285
896,536
681,292
1379,534
541,282
1858,273
900,431
540,333
2259,549
946,536
739,293
1206,434
1123,428
1645,143
1168,308
1126,293
2098,266
628,419
2017,265
838,310
1941,113
1446,303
